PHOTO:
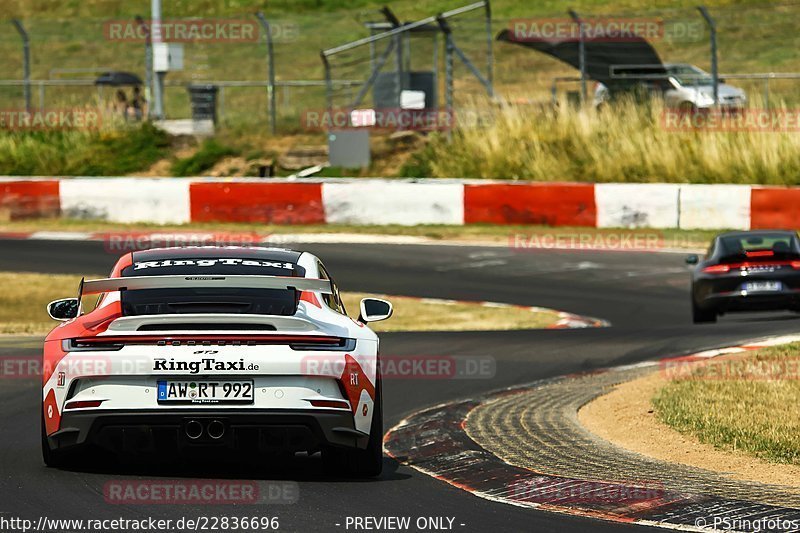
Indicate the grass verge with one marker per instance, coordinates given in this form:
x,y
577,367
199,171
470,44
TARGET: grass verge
x,y
25,296
522,235
749,404
624,142
207,156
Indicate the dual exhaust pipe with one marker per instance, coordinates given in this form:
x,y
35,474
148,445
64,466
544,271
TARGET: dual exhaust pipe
x,y
195,429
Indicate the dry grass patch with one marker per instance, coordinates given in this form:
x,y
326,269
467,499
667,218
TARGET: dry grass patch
x,y
749,404
414,314
625,142
25,296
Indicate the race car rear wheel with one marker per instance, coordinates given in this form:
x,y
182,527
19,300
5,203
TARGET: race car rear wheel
x,y
357,462
702,316
52,458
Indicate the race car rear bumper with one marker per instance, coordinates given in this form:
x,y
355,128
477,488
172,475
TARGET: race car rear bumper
x,y
735,301
243,430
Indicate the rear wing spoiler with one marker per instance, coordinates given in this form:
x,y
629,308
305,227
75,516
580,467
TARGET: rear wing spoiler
x,y
216,281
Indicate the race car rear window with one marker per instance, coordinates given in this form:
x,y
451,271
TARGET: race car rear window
x,y
236,301
211,300
760,245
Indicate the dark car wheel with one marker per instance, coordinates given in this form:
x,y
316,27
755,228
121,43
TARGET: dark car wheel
x,y
357,462
703,316
52,458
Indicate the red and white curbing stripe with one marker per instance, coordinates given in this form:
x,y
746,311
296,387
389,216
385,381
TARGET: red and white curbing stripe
x,y
403,202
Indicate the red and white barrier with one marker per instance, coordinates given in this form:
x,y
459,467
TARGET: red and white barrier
x,y
405,202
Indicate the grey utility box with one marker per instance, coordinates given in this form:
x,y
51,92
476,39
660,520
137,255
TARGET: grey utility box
x,y
349,148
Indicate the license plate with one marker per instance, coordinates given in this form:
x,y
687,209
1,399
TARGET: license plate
x,y
762,286
205,392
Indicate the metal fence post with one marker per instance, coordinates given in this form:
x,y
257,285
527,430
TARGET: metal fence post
x,y
712,26
398,79
148,64
489,52
448,62
581,54
158,77
26,61
328,82
270,70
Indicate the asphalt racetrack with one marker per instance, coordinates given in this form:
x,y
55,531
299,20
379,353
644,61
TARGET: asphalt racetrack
x,y
643,295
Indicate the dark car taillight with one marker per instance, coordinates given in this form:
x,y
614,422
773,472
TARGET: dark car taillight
x,y
717,269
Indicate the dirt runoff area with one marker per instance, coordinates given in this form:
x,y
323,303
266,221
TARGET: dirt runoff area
x,y
626,418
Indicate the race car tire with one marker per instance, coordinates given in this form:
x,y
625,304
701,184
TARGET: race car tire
x,y
357,462
703,316
52,458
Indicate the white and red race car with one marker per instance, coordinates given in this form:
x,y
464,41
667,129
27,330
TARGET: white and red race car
x,y
227,347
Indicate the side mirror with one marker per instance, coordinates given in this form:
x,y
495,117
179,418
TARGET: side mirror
x,y
692,259
63,310
373,310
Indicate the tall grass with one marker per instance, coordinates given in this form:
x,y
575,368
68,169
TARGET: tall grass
x,y
110,151
625,142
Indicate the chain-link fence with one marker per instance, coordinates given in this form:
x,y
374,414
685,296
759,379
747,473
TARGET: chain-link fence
x,y
756,52
415,64
755,46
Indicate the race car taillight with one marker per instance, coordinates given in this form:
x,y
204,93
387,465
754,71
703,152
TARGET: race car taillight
x,y
333,404
717,269
295,342
795,265
83,404
79,345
